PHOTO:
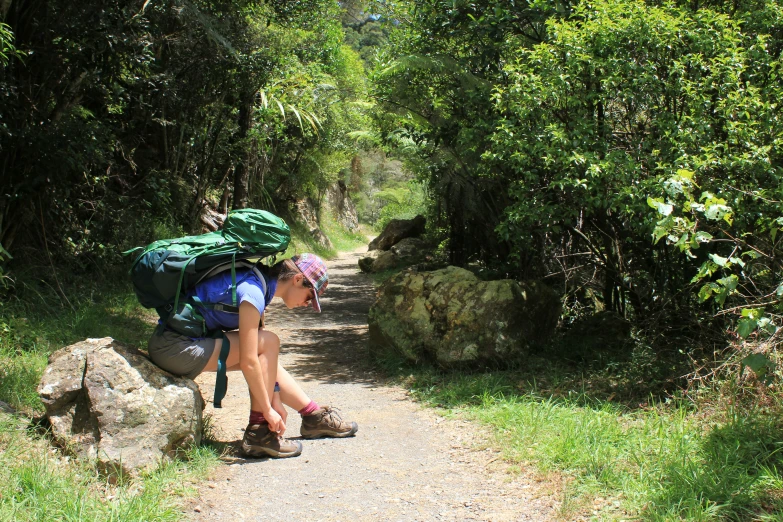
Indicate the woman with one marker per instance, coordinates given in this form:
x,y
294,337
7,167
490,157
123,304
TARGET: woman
x,y
253,350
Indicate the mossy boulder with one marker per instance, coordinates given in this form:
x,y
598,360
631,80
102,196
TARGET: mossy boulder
x,y
452,318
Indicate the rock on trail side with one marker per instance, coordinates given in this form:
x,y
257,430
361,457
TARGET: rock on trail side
x,y
405,463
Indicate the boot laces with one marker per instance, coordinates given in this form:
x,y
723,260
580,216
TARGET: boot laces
x,y
332,416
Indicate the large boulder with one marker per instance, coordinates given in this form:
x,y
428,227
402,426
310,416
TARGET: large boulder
x,y
409,247
397,230
110,403
454,319
385,261
365,264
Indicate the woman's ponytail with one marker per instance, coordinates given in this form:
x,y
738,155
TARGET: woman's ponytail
x,y
284,270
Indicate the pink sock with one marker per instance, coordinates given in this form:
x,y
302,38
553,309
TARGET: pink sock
x,y
256,417
309,409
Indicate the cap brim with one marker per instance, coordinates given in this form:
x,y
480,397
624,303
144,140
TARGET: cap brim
x,y
315,303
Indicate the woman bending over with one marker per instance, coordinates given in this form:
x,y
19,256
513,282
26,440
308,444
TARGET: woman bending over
x,y
254,351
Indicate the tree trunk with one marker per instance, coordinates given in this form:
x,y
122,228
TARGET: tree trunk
x,y
242,172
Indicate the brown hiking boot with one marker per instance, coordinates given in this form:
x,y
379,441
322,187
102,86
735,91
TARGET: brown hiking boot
x,y
259,441
326,422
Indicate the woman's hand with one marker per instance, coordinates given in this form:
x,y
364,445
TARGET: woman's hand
x,y
277,406
276,422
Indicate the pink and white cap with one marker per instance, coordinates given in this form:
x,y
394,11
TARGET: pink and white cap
x,y
314,269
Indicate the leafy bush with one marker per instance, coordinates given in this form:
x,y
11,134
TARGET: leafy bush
x,y
628,107
628,152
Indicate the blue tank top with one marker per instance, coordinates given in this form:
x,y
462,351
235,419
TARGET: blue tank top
x,y
217,289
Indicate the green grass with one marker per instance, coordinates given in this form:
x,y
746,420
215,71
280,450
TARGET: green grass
x,y
38,482
659,461
34,323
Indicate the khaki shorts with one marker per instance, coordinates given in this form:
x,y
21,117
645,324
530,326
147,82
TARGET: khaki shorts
x,y
178,354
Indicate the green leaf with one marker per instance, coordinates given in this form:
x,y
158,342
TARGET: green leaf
x,y
706,292
729,283
758,362
752,313
658,204
766,324
718,260
686,174
746,326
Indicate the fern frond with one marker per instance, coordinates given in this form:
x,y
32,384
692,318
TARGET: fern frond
x,y
437,65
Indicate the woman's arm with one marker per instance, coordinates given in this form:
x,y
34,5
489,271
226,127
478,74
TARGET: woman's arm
x,y
259,366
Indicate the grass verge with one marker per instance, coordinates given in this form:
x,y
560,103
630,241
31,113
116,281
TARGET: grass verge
x,y
720,459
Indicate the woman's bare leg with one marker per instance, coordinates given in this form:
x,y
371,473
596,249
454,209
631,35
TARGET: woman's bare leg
x,y
291,393
268,351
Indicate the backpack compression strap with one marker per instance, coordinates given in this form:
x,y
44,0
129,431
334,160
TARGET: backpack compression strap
x,y
221,384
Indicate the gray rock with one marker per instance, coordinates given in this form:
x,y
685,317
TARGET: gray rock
x,y
407,252
409,247
452,318
385,261
397,230
321,238
110,403
308,215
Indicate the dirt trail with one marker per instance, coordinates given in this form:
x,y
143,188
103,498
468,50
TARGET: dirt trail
x,y
405,463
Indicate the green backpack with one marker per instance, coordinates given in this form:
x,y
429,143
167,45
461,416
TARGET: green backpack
x,y
165,269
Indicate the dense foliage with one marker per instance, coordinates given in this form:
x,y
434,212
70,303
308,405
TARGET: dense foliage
x,y
121,116
629,152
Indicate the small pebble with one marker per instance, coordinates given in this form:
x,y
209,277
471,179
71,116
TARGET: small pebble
x,y
197,509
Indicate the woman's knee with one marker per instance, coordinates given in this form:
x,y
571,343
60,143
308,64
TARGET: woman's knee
x,y
268,341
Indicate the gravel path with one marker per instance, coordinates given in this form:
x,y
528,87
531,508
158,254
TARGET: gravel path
x,y
405,463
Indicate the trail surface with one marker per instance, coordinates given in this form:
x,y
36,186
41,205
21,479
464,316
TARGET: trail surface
x,y
405,463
